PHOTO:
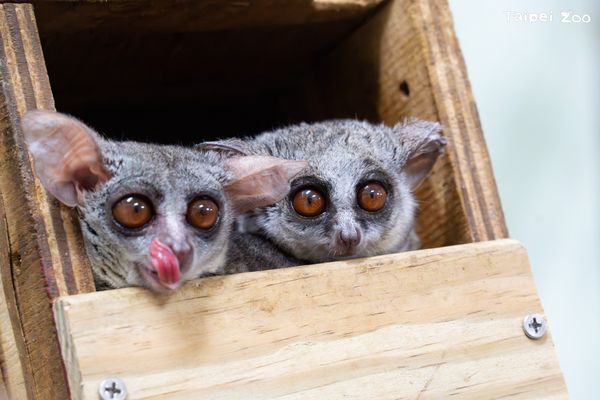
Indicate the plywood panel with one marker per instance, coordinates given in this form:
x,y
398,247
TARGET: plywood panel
x,y
12,382
427,324
43,256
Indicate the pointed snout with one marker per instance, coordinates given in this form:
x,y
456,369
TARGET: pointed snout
x,y
347,241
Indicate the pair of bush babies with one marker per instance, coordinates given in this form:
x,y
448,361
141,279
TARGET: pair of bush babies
x,y
156,216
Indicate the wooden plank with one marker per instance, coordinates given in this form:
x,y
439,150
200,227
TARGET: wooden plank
x,y
458,112
11,335
3,389
405,61
160,16
45,248
11,367
425,324
26,87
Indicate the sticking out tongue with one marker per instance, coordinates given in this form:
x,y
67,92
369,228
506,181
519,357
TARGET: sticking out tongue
x,y
165,262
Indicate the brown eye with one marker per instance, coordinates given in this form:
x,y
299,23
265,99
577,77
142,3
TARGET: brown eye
x,y
372,196
309,202
132,211
202,213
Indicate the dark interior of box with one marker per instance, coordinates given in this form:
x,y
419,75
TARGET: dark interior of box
x,y
186,86
149,71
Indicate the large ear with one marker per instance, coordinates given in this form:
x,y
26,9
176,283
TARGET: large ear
x,y
65,153
423,143
259,181
229,147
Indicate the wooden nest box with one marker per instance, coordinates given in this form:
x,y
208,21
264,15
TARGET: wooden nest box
x,y
442,321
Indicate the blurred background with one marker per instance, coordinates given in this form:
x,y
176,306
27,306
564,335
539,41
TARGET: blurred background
x,y
537,87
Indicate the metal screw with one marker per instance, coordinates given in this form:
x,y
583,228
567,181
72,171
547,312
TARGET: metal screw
x,y
534,326
112,389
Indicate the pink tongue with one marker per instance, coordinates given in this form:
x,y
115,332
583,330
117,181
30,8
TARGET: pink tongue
x,y
165,262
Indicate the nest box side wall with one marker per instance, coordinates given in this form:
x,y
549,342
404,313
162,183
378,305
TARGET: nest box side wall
x,y
404,60
45,251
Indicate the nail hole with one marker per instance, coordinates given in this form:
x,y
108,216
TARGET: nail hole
x,y
404,88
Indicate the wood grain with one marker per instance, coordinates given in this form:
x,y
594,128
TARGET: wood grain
x,y
11,367
348,72
44,248
26,87
425,324
458,112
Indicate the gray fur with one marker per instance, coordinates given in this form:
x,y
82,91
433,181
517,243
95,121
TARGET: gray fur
x,y
342,154
86,171
170,176
253,252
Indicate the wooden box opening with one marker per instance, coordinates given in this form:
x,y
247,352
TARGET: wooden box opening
x,y
187,71
204,71
186,78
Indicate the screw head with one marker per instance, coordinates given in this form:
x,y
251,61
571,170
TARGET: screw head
x,y
534,326
112,389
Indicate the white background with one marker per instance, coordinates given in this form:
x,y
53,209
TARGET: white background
x,y
537,87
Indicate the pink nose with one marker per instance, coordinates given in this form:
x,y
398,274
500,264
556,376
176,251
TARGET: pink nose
x,y
348,241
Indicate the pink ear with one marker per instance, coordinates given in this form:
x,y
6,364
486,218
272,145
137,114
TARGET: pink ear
x,y
423,143
259,180
65,153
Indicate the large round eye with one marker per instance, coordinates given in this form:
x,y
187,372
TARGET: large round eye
x,y
372,196
202,213
309,202
132,211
